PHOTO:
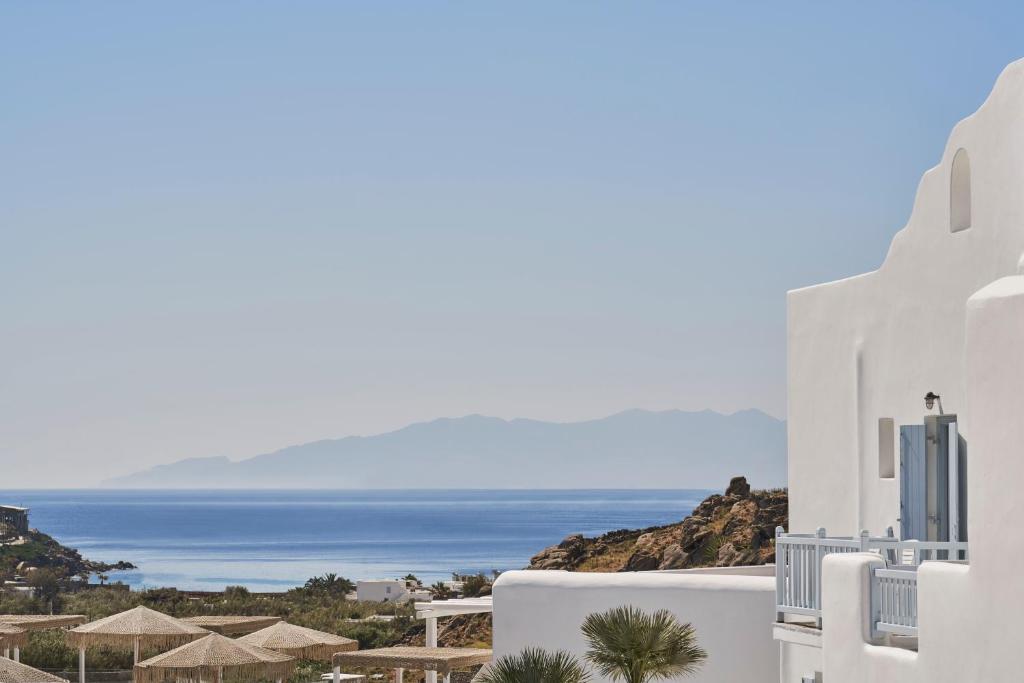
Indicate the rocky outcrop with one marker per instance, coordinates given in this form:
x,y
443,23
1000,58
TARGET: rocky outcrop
x,y
37,550
463,630
730,529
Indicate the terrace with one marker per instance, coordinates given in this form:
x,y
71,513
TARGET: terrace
x,y
893,587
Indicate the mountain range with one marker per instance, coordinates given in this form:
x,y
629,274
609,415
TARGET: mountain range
x,y
635,448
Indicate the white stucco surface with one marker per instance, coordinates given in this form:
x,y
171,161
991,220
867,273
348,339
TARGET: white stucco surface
x,y
732,614
799,661
968,625
380,590
871,346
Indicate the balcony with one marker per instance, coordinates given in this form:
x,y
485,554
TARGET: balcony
x,y
798,559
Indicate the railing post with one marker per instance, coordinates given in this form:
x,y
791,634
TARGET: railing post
x,y
864,535
780,574
819,554
876,603
431,640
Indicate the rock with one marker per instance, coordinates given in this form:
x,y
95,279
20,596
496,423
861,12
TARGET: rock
x,y
729,556
565,555
735,528
673,557
641,561
738,486
698,538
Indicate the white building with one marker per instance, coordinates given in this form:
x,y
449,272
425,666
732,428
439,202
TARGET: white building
x,y
851,600
381,590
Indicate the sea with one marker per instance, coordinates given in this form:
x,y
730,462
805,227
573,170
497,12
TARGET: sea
x,y
271,541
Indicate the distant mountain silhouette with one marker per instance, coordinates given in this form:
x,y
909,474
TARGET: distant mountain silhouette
x,y
636,448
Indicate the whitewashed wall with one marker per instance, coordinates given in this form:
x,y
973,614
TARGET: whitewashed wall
x,y
871,346
732,614
969,625
385,590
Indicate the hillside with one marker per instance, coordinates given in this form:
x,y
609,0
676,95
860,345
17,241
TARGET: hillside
x,y
671,449
733,529
42,551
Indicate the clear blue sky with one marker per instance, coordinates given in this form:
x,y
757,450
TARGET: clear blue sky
x,y
231,227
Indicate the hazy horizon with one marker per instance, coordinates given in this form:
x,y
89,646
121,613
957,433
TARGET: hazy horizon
x,y
234,228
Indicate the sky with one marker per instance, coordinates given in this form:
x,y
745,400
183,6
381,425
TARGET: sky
x,y
226,228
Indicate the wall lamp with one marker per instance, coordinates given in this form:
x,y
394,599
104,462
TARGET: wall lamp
x,y
930,399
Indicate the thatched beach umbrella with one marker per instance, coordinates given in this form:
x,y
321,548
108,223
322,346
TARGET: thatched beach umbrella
x,y
13,672
12,636
232,625
214,659
42,622
300,642
31,622
137,628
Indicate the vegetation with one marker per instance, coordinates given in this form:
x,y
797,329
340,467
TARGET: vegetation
x,y
330,584
315,605
440,591
473,586
41,550
633,646
534,665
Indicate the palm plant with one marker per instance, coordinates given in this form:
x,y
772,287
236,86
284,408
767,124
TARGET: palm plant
x,y
631,645
440,591
534,665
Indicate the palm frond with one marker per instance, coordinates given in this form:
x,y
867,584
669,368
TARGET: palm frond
x,y
628,644
534,665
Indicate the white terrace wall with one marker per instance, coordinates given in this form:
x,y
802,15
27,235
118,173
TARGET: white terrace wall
x,y
731,613
969,623
871,346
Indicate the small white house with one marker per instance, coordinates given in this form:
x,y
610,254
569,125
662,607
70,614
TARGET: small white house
x,y
381,590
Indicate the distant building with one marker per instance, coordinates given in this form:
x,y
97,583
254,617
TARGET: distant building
x,y
381,590
13,520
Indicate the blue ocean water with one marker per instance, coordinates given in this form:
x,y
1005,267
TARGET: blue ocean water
x,y
275,540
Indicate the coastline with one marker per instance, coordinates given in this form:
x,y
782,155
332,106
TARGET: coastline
x,y
270,541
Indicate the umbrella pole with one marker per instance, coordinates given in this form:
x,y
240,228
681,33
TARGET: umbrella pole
x,y
136,649
7,653
17,654
81,665
337,674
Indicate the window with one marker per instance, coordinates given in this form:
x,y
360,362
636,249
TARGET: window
x,y
960,192
886,447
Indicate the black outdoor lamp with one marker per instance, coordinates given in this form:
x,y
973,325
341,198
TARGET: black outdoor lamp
x,y
929,401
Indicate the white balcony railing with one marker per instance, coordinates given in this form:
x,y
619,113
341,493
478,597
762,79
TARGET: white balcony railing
x,y
798,560
894,601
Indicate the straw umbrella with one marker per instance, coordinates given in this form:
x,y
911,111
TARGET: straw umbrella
x,y
232,625
43,622
12,636
300,642
38,622
13,672
211,659
137,628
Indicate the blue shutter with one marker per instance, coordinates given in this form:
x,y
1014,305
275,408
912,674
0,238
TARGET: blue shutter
x,y
913,481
